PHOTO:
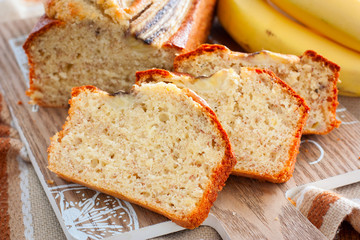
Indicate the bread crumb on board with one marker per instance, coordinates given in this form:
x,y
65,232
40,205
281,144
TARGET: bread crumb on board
x,y
292,202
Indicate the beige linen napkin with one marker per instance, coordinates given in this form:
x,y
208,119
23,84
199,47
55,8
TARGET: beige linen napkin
x,y
327,209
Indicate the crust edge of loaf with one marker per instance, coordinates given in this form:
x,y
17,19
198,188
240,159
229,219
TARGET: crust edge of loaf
x,y
288,169
185,39
335,123
40,27
216,48
200,213
195,28
286,173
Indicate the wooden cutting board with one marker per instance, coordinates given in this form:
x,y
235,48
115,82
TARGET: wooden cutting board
x,y
245,209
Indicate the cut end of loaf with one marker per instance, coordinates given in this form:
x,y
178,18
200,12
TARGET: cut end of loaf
x,y
63,56
103,43
312,76
262,115
157,146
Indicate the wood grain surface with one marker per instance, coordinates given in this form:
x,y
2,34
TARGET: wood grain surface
x,y
248,209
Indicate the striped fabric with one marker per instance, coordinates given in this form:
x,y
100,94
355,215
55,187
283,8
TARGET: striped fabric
x,y
11,205
327,210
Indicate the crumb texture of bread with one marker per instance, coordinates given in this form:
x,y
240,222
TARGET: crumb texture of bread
x,y
98,61
312,76
262,116
155,146
104,42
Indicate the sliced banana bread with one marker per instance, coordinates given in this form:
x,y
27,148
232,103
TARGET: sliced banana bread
x,y
157,146
104,42
312,76
261,114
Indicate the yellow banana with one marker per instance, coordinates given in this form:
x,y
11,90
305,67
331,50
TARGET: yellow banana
x,y
255,25
338,20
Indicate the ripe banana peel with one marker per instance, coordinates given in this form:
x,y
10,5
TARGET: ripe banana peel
x,y
337,20
255,25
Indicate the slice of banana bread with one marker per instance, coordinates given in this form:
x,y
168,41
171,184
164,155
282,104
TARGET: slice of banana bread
x,y
261,114
104,42
157,146
312,76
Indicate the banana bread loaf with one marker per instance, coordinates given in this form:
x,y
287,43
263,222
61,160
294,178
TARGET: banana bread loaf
x,y
312,76
157,146
104,42
261,114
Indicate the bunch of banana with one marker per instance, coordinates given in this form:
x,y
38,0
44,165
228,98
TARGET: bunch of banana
x,y
256,25
337,21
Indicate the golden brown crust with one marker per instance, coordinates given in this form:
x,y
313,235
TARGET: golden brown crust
x,y
174,218
229,160
220,49
77,90
193,31
146,76
286,173
220,174
335,123
43,25
210,48
218,177
195,28
318,58
204,48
